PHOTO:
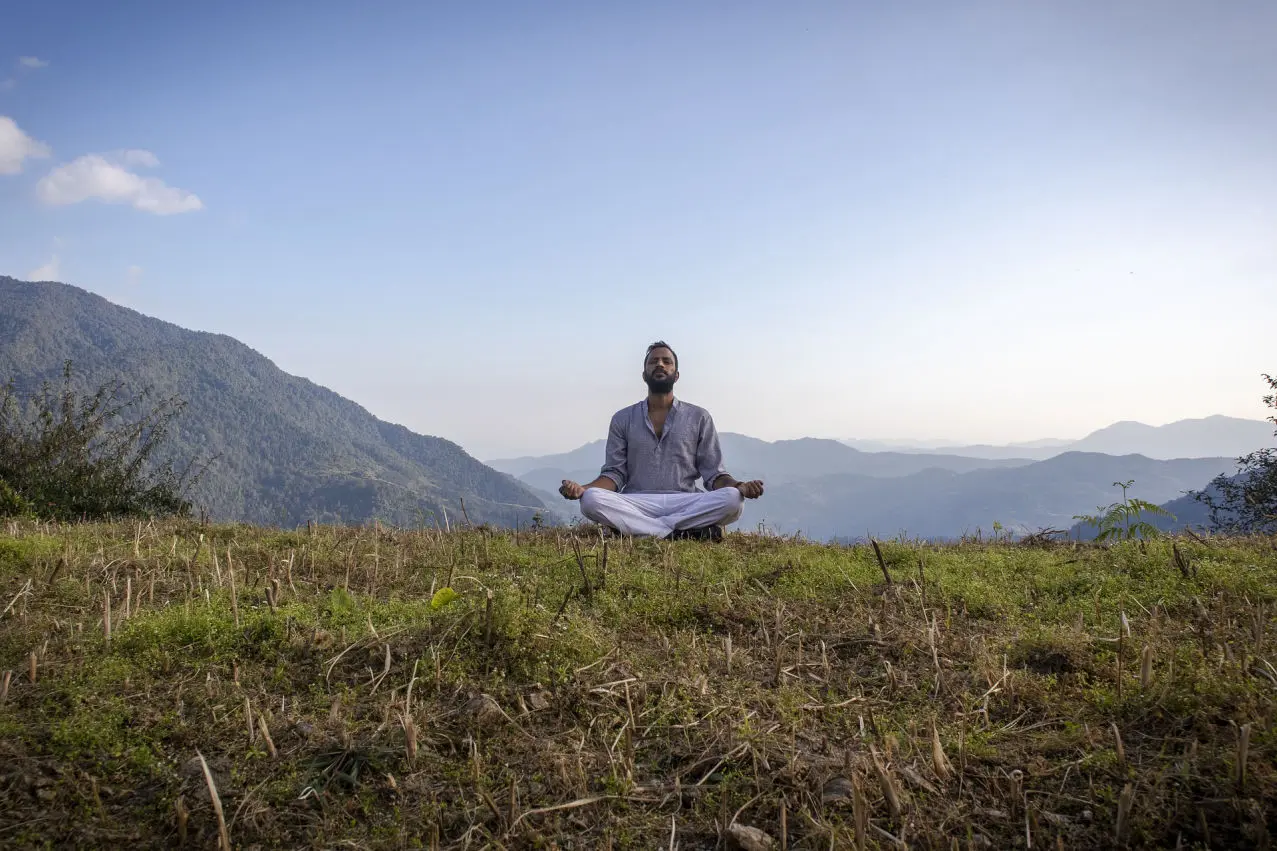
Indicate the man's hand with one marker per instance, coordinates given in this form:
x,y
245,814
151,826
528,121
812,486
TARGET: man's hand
x,y
750,490
571,490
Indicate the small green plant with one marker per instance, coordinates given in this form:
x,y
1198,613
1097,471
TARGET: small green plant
x,y
1124,520
1002,533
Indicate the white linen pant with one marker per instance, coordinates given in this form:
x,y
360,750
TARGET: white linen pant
x,y
659,514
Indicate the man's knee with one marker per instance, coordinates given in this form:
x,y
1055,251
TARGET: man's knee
x,y
592,505
735,505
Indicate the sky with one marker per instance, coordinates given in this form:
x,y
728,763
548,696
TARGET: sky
x,y
987,221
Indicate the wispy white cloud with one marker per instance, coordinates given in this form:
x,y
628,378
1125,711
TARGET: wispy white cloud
x,y
48,272
134,275
107,178
7,84
143,159
16,146
33,62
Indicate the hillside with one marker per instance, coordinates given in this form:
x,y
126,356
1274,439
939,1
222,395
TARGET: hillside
x,y
943,504
331,693
285,450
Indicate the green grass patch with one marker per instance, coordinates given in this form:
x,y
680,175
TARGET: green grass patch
x,y
561,694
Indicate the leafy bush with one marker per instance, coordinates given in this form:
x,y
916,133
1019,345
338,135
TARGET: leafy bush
x,y
11,502
1247,500
68,457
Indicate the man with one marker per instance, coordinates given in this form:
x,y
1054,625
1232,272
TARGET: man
x,y
656,450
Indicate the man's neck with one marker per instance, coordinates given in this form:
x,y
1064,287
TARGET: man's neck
x,y
660,401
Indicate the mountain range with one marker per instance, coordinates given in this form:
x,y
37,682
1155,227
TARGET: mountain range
x,y
826,489
938,503
774,462
1215,436
282,449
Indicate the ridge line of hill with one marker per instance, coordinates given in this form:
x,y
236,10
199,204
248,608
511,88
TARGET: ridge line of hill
x,y
287,450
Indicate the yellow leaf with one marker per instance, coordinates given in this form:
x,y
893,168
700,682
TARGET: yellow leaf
x,y
443,597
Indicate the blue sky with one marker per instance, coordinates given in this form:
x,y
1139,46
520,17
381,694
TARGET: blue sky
x,y
984,221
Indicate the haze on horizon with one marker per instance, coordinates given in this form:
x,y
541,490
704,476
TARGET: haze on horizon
x,y
984,223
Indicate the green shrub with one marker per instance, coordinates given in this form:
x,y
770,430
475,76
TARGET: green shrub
x,y
11,502
1246,501
69,457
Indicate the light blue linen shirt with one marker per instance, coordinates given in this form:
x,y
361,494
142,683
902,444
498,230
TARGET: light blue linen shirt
x,y
640,462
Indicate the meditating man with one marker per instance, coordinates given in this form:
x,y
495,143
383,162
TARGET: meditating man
x,y
656,450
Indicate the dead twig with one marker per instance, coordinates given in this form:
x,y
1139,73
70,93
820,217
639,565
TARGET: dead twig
x,y
586,588
572,805
223,834
882,562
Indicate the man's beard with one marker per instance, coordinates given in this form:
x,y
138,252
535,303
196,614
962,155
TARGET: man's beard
x,y
660,385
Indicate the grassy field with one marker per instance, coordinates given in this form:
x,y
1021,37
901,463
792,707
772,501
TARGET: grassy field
x,y
184,685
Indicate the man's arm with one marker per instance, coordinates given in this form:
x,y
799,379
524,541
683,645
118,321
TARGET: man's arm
x,y
723,480
613,476
616,455
709,463
749,490
571,490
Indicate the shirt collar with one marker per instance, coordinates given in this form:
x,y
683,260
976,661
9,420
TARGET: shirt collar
x,y
673,407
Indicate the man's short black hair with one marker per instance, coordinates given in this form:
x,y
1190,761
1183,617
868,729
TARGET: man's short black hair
x,y
660,344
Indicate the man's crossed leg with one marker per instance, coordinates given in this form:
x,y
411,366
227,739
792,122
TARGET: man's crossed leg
x,y
659,514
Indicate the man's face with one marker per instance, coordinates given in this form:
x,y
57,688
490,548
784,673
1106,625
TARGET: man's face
x,y
659,371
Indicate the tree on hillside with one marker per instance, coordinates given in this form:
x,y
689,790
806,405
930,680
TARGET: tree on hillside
x,y
1247,500
67,456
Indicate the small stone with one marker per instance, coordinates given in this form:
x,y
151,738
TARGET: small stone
x,y
192,770
539,700
482,709
837,789
193,774
749,838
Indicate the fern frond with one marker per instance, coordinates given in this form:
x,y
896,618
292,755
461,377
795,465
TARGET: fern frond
x,y
1145,529
1142,507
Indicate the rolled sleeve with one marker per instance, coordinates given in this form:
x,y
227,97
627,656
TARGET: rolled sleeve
x,y
615,455
709,455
